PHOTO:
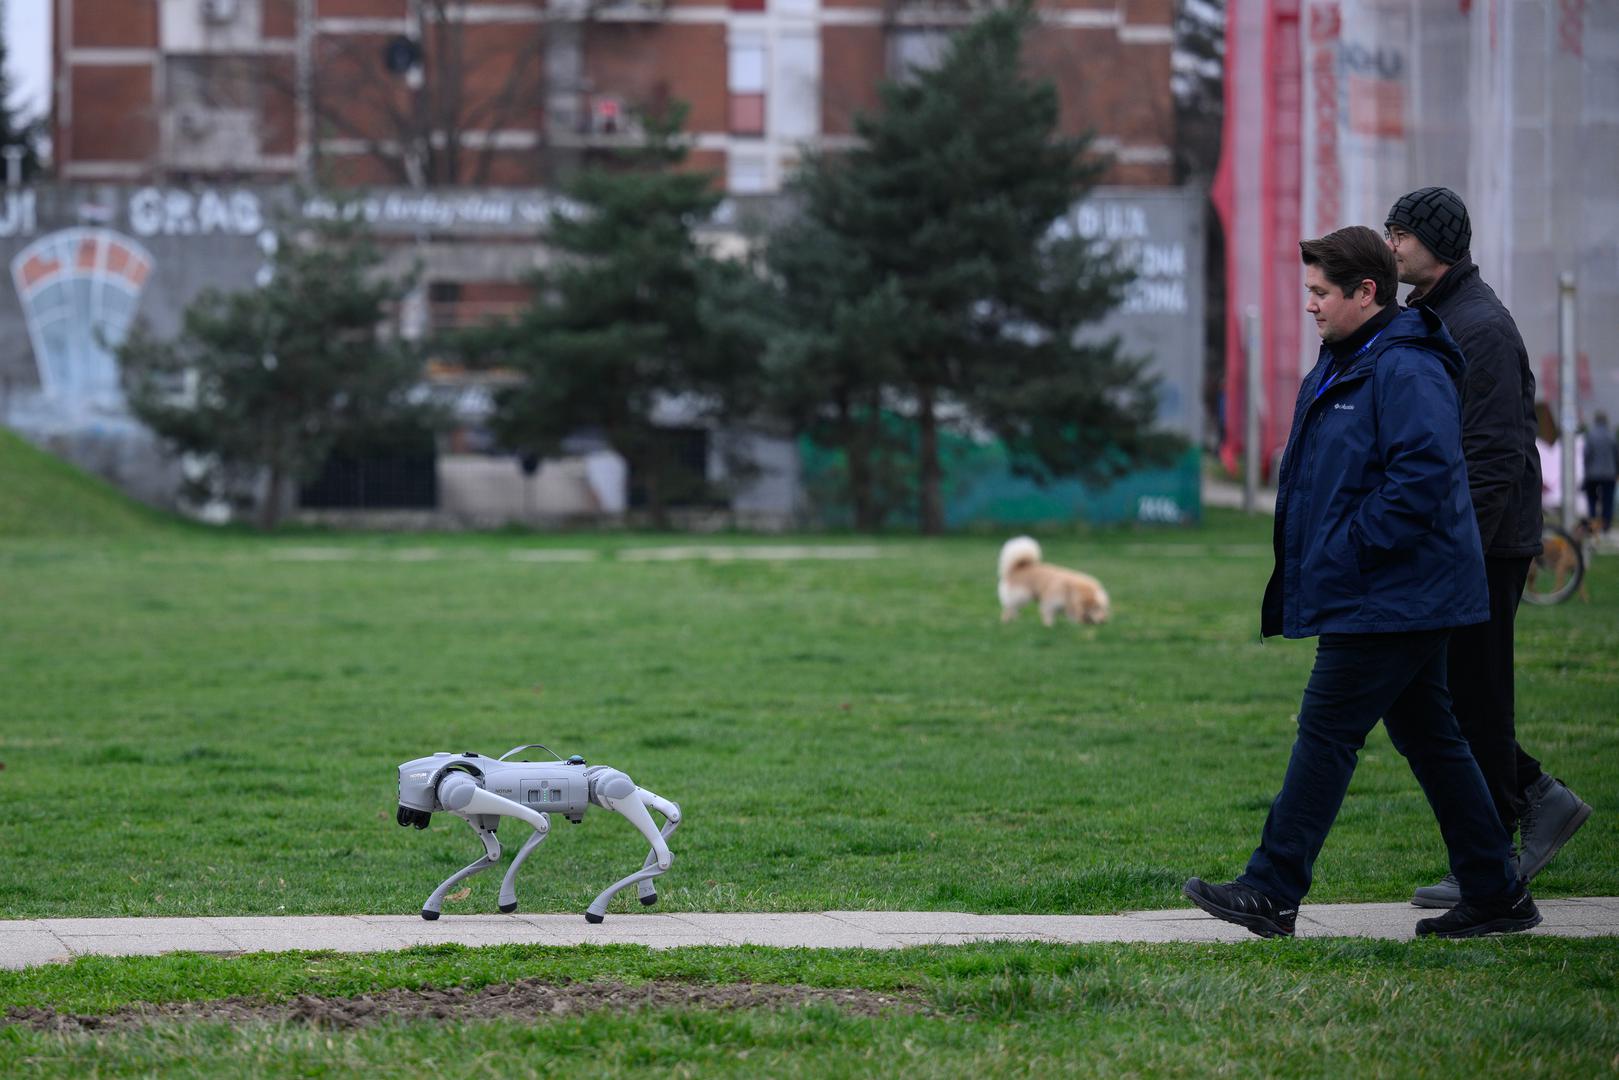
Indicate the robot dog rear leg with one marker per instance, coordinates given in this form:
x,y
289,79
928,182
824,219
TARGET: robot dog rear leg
x,y
648,889
635,806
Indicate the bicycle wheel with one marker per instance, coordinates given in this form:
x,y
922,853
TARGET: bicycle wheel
x,y
1556,572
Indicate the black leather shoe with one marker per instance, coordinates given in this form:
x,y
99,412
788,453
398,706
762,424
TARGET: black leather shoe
x,y
1511,915
1243,905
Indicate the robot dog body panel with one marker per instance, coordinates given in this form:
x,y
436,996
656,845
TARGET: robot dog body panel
x,y
481,790
548,787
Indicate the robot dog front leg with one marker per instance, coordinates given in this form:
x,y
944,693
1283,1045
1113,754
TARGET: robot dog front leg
x,y
482,809
491,856
508,885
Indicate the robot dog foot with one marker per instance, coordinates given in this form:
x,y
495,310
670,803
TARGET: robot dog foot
x,y
592,917
429,914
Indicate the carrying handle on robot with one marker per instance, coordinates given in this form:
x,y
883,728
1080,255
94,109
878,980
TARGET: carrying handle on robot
x,y
529,746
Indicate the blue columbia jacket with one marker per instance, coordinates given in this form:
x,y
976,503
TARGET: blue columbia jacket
x,y
1375,531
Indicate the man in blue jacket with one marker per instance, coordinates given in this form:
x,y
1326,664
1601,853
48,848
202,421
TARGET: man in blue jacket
x,y
1377,552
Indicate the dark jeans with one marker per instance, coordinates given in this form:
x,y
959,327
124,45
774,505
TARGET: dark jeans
x,y
1481,688
1599,502
1359,678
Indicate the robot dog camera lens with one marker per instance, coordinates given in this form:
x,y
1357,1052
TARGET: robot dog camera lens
x,y
409,816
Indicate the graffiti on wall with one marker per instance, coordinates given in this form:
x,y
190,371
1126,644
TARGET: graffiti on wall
x,y
80,289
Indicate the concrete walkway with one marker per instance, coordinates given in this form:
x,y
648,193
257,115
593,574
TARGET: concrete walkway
x,y
25,942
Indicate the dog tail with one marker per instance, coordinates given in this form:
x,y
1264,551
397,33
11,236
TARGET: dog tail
x,y
1018,553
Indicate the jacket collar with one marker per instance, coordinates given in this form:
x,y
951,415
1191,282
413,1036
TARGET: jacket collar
x,y
1354,343
1420,327
1445,286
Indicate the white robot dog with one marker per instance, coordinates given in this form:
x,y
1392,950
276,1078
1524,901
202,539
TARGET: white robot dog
x,y
482,790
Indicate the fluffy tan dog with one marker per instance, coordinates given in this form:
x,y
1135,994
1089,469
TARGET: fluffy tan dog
x,y
1025,579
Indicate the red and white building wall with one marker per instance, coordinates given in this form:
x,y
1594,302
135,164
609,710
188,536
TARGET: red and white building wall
x,y
140,88
1334,108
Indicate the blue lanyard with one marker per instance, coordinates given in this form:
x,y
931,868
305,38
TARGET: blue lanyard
x,y
1322,389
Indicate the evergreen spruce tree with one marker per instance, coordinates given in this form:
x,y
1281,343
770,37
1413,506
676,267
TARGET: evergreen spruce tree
x,y
832,354
619,323
278,374
949,211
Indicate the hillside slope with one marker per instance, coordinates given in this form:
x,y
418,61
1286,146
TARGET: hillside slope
x,y
42,495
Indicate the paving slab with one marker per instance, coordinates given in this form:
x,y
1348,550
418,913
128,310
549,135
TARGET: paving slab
x,y
27,946
790,930
334,939
928,922
656,931
123,927
21,926
153,944
28,942
1558,913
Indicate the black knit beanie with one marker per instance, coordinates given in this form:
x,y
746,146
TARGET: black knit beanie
x,y
1438,217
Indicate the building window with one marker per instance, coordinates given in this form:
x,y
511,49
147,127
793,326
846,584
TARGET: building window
x,y
212,113
747,86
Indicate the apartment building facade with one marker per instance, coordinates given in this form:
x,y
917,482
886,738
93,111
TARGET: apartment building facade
x,y
186,129
439,93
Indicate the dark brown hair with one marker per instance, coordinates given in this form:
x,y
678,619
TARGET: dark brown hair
x,y
1350,256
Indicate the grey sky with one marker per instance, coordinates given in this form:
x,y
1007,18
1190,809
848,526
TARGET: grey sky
x,y
28,49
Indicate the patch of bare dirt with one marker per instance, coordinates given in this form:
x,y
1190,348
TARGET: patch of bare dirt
x,y
525,999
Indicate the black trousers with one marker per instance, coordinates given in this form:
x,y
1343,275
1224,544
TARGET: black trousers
x,y
1599,502
1357,679
1481,689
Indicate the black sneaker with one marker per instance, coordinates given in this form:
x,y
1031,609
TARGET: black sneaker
x,y
1511,915
1243,905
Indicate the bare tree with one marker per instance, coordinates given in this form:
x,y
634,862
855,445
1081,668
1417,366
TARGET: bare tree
x,y
432,108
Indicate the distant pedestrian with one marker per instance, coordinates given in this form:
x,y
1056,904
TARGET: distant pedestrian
x,y
1601,467
1431,235
1378,554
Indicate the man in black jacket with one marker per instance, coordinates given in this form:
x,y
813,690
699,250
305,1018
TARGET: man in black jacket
x,y
1430,234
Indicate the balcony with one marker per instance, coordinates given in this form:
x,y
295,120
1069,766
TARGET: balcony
x,y
601,121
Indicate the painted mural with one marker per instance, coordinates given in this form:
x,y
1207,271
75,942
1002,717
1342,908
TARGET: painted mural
x,y
88,263
79,290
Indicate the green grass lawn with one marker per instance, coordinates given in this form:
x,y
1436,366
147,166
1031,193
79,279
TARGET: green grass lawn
x,y
208,723
1308,1008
